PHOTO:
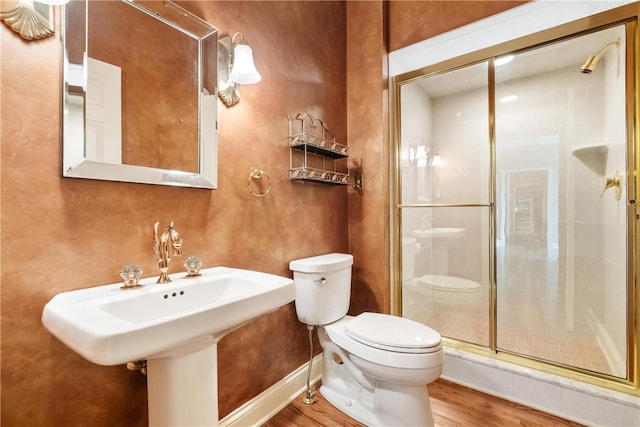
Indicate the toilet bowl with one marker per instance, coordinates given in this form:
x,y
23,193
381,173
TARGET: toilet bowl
x,y
371,380
375,366
437,293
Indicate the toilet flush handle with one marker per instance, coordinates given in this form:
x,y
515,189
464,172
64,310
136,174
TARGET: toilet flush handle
x,y
321,281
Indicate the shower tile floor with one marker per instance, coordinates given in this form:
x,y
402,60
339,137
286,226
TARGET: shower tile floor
x,y
577,349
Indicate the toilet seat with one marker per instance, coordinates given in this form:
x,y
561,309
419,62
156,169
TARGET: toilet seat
x,y
391,358
393,333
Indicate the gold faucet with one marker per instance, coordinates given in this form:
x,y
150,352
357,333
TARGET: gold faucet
x,y
167,244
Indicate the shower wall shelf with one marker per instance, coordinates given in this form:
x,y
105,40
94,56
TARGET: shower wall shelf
x,y
578,150
594,156
308,137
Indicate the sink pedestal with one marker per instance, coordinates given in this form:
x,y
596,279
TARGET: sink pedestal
x,y
436,245
183,386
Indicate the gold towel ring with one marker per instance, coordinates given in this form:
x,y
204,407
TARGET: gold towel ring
x,y
255,175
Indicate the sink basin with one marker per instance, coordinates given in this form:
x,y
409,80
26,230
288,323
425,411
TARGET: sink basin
x,y
439,232
175,327
110,326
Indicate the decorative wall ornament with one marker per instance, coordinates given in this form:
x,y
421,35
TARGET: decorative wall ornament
x,y
30,19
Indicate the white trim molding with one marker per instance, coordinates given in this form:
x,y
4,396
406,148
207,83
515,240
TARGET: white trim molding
x,y
271,401
511,24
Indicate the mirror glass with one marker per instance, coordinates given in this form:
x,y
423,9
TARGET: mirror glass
x,y
139,93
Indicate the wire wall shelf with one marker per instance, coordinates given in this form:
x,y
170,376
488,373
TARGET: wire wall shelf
x,y
318,175
315,143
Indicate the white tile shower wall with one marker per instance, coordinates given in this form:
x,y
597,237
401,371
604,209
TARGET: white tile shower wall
x,y
573,400
416,130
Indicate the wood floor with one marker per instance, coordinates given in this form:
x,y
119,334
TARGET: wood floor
x,y
452,406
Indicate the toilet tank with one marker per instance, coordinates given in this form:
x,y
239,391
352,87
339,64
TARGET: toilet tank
x,y
323,287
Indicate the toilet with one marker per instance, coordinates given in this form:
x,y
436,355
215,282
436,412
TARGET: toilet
x,y
442,294
376,367
436,293
453,293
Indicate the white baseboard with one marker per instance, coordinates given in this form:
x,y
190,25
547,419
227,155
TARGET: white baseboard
x,y
271,401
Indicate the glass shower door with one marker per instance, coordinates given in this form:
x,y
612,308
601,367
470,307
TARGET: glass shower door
x,y
561,236
445,209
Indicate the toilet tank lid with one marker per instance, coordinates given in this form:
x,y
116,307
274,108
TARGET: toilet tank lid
x,y
322,263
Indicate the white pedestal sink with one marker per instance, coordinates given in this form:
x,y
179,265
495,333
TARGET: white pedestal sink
x,y
439,238
439,233
174,326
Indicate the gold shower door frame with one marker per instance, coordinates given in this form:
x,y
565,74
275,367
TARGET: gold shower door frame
x,y
627,15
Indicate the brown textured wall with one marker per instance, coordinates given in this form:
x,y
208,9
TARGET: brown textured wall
x,y
366,109
62,234
414,21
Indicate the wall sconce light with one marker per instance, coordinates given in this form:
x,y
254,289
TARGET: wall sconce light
x,y
235,68
31,19
436,160
421,156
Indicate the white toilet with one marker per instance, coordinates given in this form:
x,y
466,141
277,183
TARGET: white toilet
x,y
376,367
453,294
441,294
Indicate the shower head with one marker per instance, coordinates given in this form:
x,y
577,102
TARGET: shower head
x,y
590,63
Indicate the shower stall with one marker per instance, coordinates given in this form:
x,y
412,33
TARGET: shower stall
x,y
515,200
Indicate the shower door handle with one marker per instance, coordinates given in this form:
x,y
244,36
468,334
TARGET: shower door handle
x,y
613,182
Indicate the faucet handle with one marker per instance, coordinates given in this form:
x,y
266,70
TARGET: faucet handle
x,y
615,182
131,275
193,265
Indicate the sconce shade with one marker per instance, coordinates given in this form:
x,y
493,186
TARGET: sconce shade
x,y
244,70
421,156
235,68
